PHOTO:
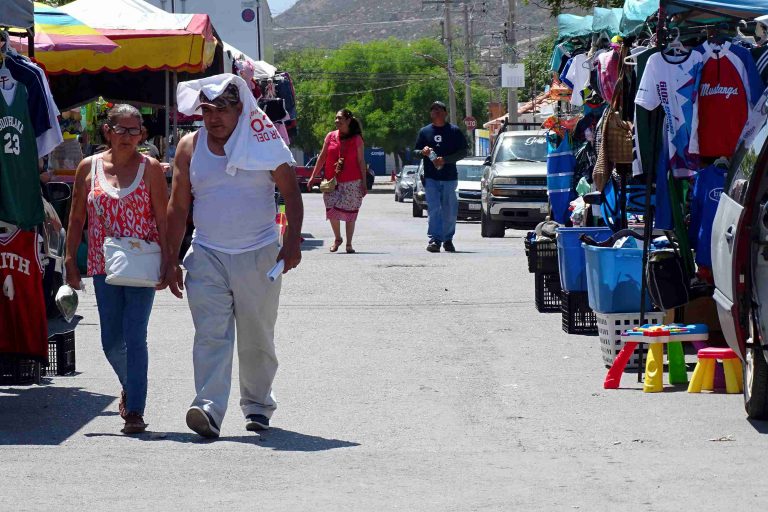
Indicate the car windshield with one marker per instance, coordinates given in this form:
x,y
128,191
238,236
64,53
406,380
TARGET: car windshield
x,y
520,148
470,172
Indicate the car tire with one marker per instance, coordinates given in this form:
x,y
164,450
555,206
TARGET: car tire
x,y
490,228
417,210
756,382
401,198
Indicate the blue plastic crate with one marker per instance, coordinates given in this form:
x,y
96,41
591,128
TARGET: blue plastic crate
x,y
570,256
614,279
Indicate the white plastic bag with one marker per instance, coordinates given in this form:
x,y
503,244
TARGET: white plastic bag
x,y
67,301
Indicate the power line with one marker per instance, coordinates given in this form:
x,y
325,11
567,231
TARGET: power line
x,y
365,91
324,27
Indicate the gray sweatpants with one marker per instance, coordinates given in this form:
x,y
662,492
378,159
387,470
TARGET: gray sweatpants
x,y
225,292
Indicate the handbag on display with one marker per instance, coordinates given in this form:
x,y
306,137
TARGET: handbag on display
x,y
619,145
667,281
129,261
329,185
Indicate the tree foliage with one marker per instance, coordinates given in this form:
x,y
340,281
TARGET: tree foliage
x,y
388,84
537,66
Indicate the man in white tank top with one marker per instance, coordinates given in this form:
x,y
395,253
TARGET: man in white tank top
x,y
234,246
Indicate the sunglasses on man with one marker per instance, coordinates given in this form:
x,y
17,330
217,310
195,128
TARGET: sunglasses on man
x,y
121,130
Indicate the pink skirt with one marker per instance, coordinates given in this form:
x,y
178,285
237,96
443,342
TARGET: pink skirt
x,y
344,202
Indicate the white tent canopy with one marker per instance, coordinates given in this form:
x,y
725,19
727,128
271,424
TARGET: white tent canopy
x,y
261,68
126,15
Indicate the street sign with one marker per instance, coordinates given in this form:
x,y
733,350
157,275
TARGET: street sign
x,y
512,76
470,122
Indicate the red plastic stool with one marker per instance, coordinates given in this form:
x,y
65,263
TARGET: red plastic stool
x,y
704,374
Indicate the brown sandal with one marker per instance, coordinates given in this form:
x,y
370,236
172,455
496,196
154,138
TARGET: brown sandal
x,y
134,424
336,244
121,405
350,250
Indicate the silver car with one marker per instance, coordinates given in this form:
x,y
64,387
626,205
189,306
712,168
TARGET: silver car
x,y
514,185
405,183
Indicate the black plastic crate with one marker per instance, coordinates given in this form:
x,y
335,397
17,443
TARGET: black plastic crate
x,y
15,371
547,292
578,317
61,354
542,258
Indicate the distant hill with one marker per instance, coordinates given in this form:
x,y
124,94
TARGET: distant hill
x,y
358,13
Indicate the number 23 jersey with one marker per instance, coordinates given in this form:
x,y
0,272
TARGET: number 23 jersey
x,y
20,200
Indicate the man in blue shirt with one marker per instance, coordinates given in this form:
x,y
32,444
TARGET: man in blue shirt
x,y
441,177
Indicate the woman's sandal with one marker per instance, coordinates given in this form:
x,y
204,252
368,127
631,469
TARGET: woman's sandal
x,y
350,250
336,244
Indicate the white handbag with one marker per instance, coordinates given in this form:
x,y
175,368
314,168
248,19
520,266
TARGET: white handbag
x,y
130,261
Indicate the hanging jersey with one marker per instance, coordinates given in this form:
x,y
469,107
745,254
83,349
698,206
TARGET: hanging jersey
x,y
760,56
673,83
561,164
706,197
730,83
20,199
23,319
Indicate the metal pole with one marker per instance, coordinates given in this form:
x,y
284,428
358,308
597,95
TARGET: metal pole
x,y
175,110
167,106
468,72
512,43
258,29
449,49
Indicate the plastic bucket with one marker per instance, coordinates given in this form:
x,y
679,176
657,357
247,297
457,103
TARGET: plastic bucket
x,y
570,256
614,279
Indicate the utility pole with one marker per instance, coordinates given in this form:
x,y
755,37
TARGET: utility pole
x,y
512,43
468,74
448,38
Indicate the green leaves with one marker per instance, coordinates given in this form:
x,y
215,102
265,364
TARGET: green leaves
x,y
388,84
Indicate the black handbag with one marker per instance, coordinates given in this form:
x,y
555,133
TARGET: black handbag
x,y
667,281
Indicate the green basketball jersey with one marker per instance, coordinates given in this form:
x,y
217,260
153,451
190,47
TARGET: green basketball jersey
x,y
20,199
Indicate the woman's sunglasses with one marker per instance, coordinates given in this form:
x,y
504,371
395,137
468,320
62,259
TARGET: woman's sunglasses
x,y
121,130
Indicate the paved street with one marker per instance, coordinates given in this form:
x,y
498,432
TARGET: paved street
x,y
408,381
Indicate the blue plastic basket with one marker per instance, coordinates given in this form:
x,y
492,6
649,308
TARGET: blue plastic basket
x,y
570,256
614,279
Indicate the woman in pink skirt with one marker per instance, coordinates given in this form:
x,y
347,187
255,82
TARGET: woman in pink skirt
x,y
342,156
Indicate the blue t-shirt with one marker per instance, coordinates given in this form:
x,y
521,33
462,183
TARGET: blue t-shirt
x,y
445,140
706,196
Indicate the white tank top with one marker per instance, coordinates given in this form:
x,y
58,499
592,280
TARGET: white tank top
x,y
232,214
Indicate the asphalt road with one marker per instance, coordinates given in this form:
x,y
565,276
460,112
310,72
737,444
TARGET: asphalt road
x,y
408,381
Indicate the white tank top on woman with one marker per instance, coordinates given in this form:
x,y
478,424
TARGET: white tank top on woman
x,y
232,214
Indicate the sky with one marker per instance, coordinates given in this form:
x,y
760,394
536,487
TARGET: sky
x,y
278,6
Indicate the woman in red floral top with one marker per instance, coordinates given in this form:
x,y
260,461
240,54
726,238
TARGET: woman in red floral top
x,y
122,193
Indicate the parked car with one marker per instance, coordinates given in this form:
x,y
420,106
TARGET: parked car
x,y
468,190
419,194
740,268
303,172
405,182
514,184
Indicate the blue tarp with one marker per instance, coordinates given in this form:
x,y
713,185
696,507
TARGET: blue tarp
x,y
606,20
570,26
634,14
737,8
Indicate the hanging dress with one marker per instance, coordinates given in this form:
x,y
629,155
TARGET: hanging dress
x,y
560,167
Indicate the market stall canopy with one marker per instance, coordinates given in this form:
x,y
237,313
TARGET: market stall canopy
x,y
606,20
261,69
571,25
57,31
717,9
148,38
17,13
634,14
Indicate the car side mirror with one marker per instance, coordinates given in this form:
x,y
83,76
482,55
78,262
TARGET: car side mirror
x,y
487,161
58,192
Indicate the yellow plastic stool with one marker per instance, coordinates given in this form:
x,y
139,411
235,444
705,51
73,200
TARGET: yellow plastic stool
x,y
704,374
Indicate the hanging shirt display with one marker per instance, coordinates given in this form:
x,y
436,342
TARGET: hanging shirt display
x,y
578,75
673,82
760,56
730,83
20,200
706,197
22,306
608,73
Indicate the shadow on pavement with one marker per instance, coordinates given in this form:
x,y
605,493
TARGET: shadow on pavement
x,y
46,415
276,438
760,426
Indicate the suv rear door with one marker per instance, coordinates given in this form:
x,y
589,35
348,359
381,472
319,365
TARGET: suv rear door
x,y
732,237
